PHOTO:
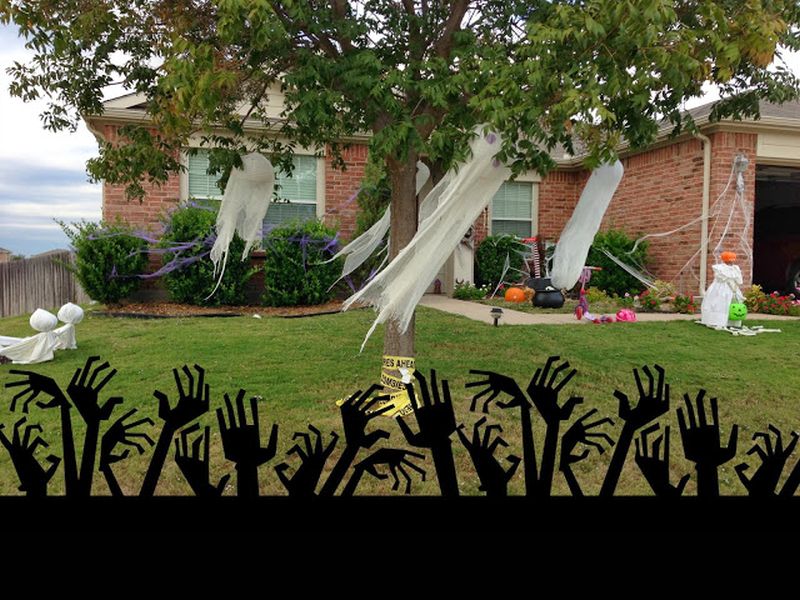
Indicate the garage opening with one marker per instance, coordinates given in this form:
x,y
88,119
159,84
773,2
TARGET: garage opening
x,y
776,229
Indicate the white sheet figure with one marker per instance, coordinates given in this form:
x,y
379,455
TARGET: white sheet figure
x,y
244,206
6,340
37,348
396,290
362,247
724,290
570,254
70,314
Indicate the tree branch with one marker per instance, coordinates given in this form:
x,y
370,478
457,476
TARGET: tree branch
x,y
444,45
340,12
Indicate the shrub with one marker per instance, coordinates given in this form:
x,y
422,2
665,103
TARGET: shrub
x,y
684,305
754,298
649,301
596,295
625,301
491,255
663,289
108,259
293,273
613,279
464,290
775,304
193,282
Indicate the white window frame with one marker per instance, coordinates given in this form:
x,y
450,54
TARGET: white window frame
x,y
534,179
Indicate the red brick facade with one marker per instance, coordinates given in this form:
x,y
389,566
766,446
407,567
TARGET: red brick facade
x,y
660,191
341,187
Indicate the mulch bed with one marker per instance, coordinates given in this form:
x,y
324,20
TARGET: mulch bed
x,y
165,310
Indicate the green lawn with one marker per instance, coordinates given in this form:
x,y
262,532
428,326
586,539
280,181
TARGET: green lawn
x,y
302,366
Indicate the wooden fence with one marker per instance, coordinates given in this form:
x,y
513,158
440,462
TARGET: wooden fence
x,y
39,282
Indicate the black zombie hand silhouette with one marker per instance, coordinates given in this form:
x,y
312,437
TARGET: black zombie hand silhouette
x,y
241,442
396,459
436,422
654,466
494,477
764,481
702,444
494,384
357,411
581,432
313,457
544,393
653,403
192,403
33,385
194,464
22,448
121,433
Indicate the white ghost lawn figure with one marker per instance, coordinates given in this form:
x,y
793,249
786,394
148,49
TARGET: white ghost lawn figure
x,y
36,348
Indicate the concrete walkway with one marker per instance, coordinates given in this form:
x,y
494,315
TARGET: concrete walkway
x,y
480,312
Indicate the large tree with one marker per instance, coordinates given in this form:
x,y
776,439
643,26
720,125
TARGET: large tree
x,y
418,75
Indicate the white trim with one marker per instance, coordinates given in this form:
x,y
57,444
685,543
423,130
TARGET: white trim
x,y
534,180
320,187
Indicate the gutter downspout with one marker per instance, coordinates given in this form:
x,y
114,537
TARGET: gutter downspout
x,y
704,215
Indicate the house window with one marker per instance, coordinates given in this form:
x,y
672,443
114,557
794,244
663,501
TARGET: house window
x,y
512,209
300,189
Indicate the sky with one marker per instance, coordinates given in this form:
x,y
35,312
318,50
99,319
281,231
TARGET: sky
x,y
43,174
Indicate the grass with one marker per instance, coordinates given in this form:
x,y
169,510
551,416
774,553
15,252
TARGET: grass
x,y
302,366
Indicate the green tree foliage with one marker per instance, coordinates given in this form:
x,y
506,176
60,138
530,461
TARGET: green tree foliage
x,y
490,259
613,279
107,259
293,269
194,282
418,75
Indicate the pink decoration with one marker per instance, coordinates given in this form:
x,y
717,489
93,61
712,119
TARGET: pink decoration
x,y
626,314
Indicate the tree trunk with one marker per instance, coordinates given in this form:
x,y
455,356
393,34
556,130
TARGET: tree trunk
x,y
402,174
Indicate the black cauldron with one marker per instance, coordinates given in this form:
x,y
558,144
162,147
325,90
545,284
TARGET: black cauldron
x,y
545,296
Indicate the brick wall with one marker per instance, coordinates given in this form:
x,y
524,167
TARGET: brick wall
x,y
341,187
662,190
725,146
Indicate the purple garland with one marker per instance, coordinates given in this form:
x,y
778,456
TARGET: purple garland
x,y
329,245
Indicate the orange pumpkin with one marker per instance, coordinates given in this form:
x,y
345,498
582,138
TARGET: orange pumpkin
x,y
514,294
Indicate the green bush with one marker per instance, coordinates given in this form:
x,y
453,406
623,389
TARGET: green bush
x,y
490,259
613,279
293,274
684,304
464,290
108,259
192,283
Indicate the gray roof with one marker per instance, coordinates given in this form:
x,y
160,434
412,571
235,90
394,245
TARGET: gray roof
x,y
789,110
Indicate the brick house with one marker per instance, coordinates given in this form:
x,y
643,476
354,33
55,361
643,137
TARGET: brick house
x,y
663,188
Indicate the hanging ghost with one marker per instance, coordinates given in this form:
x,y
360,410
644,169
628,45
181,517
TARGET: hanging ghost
x,y
362,247
572,248
396,290
244,206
